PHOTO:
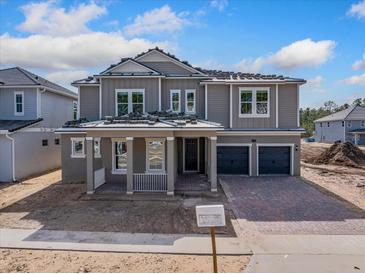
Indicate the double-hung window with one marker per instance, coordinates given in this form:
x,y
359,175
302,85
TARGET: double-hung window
x,y
175,100
129,100
190,101
254,102
363,123
97,147
119,154
155,150
77,147
349,124
19,103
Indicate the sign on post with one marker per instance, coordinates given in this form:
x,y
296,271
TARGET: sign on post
x,y
211,216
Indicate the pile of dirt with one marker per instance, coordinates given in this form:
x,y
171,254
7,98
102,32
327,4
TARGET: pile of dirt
x,y
344,154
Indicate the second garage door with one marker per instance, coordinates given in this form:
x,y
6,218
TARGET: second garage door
x,y
274,160
232,160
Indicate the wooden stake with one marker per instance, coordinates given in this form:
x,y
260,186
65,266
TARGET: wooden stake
x,y
212,233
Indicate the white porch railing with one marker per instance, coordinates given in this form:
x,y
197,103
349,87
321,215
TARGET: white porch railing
x,y
99,177
150,182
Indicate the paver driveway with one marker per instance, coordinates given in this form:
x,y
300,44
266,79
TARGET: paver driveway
x,y
289,205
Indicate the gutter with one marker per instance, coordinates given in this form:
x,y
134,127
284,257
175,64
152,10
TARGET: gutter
x,y
12,155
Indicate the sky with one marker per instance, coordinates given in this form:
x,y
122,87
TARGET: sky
x,y
320,41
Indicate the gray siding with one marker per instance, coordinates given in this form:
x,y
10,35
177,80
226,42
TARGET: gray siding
x,y
329,134
108,93
218,104
5,160
167,67
89,103
357,114
182,85
55,109
7,104
268,140
288,111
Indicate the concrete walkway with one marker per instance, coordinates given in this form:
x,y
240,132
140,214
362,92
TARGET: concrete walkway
x,y
120,242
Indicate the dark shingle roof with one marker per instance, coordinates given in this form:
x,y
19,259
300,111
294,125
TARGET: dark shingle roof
x,y
338,116
14,125
21,77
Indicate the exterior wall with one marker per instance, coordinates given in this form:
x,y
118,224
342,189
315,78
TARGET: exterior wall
x,y
167,67
288,106
7,104
5,160
31,158
73,169
331,134
357,114
55,109
108,92
89,102
254,140
355,124
182,85
218,104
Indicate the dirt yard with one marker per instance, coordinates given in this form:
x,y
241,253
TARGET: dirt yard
x,y
13,260
346,182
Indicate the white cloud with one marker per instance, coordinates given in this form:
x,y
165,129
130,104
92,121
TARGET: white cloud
x,y
66,77
159,20
219,4
303,53
359,64
95,49
355,80
357,10
315,85
47,18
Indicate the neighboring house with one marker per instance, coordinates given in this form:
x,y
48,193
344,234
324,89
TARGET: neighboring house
x,y
345,125
31,108
218,122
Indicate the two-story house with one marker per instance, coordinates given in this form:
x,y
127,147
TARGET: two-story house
x,y
31,108
347,125
190,121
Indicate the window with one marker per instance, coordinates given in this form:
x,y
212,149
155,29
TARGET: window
x,y
190,101
155,149
74,110
362,123
127,101
175,103
254,102
97,147
349,124
44,143
320,124
19,103
328,124
56,141
343,123
119,153
77,147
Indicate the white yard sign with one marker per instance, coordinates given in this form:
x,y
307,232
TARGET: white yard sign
x,y
210,215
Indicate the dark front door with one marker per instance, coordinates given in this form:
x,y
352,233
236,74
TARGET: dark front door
x,y
232,160
274,160
191,154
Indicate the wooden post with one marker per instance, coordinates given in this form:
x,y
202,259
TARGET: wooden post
x,y
212,233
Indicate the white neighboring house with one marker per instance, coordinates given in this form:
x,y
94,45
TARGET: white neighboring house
x,y
345,125
31,108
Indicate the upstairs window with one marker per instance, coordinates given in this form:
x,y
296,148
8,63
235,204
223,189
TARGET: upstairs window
x,y
254,102
19,103
74,110
349,124
155,149
127,101
328,124
320,124
190,101
362,123
175,102
343,123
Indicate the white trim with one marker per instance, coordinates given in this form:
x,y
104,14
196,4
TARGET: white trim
x,y
97,139
130,99
258,133
12,155
277,106
213,138
298,113
129,138
291,145
100,100
159,94
89,138
186,101
249,145
198,150
78,103
178,91
73,153
170,138
126,62
39,104
83,130
15,103
114,170
253,103
206,101
231,105
148,170
37,129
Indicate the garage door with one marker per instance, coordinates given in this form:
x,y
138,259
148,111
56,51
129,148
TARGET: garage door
x,y
274,160
232,160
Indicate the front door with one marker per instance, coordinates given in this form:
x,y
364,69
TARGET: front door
x,y
191,154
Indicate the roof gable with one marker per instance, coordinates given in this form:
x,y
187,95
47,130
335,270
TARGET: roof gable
x,y
129,66
358,113
345,114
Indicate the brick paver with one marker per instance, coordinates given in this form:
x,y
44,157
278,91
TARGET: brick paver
x,y
289,205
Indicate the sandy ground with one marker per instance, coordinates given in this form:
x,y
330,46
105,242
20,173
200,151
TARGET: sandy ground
x,y
69,261
340,180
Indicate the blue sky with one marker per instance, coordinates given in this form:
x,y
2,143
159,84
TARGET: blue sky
x,y
321,41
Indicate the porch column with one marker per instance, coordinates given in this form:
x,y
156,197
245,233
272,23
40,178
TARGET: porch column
x,y
356,139
170,165
129,165
213,163
90,186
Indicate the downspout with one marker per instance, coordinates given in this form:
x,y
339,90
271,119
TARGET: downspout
x,y
12,155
